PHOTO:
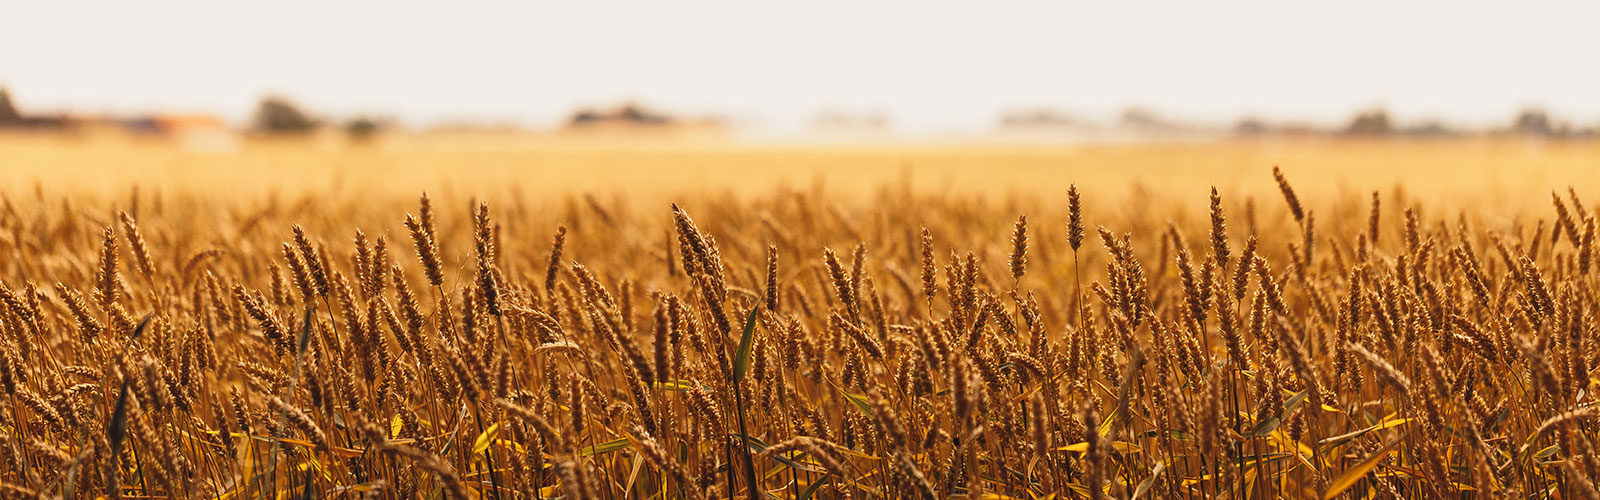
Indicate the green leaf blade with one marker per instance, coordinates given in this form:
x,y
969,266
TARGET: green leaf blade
x,y
741,361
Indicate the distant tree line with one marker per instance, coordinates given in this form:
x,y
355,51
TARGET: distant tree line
x,y
627,114
8,111
1532,122
279,116
1374,122
11,118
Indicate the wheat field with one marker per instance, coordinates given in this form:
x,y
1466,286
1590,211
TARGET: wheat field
x,y
470,320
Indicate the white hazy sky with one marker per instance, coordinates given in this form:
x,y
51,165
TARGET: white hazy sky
x,y
930,66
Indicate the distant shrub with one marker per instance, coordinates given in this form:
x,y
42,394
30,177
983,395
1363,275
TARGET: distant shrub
x,y
1533,121
363,128
1371,122
278,115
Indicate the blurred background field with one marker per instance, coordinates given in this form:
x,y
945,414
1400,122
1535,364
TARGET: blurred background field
x,y
1507,173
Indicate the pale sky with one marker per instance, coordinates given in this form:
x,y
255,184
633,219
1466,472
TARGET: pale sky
x,y
929,66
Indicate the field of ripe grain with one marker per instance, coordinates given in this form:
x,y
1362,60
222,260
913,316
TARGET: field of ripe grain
x,y
670,321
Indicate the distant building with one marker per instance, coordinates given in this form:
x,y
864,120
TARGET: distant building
x,y
175,124
190,131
